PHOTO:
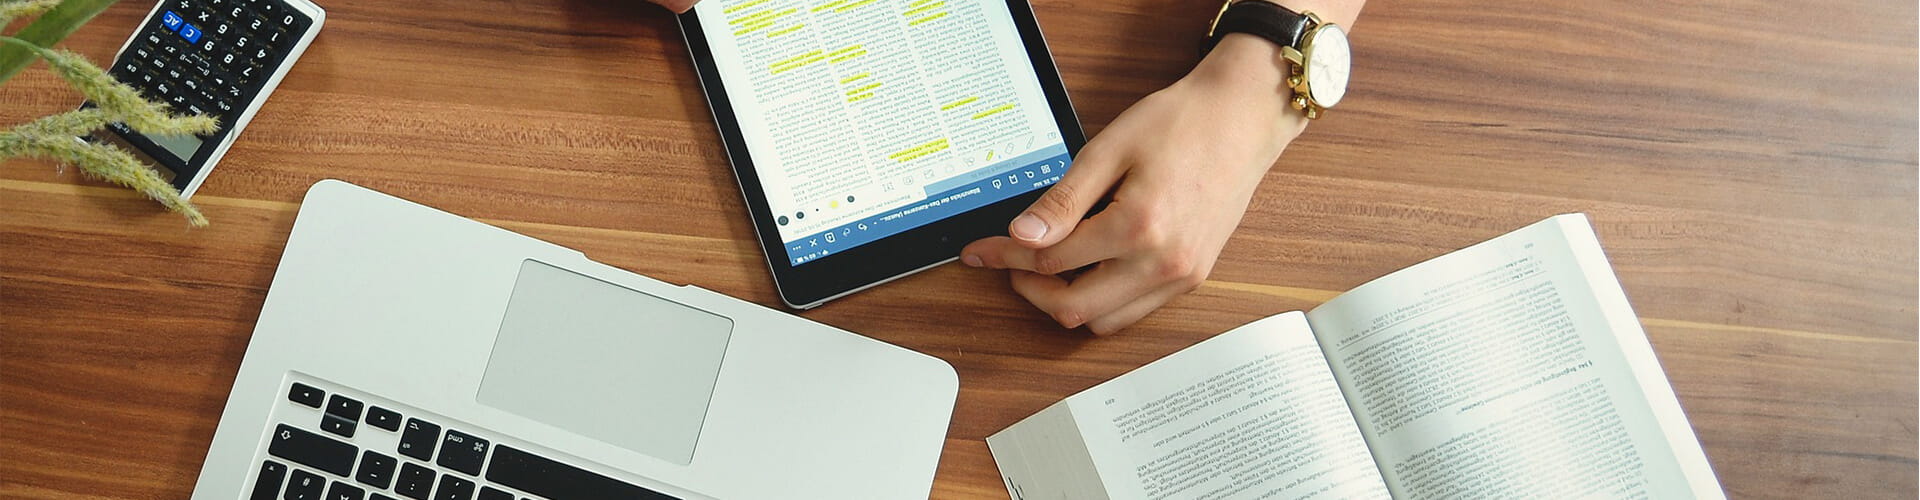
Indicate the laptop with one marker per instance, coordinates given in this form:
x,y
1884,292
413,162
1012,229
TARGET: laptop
x,y
408,353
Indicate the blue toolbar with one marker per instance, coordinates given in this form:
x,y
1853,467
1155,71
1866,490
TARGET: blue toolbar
x,y
982,191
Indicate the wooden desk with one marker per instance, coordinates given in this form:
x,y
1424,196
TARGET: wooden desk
x,y
1750,168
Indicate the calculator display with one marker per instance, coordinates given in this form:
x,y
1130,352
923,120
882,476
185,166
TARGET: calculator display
x,y
182,146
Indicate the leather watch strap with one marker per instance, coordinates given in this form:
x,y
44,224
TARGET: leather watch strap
x,y
1259,18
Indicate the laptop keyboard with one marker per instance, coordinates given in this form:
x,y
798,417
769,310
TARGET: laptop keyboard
x,y
354,448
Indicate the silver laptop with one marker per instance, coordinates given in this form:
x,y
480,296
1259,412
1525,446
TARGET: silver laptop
x,y
408,353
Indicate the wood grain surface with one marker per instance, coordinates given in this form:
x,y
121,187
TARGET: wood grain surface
x,y
1750,167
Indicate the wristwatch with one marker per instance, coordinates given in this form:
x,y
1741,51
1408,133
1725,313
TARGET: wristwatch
x,y
1317,51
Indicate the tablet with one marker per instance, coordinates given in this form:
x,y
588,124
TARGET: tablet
x,y
874,138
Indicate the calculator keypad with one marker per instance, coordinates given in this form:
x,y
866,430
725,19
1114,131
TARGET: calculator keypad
x,y
210,57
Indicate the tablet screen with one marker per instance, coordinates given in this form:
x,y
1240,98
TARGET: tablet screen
x,y
866,118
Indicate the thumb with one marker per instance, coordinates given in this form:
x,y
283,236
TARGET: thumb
x,y
1062,207
677,6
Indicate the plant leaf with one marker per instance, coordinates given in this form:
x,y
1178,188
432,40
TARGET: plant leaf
x,y
50,28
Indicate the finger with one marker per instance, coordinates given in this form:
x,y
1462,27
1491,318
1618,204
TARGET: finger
x,y
1091,295
1093,241
1052,217
1135,311
677,6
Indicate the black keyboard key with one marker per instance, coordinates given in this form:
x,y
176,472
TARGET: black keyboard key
x,y
462,452
414,481
306,395
312,450
208,101
454,488
344,491
488,493
376,470
304,486
268,484
378,496
419,439
337,425
544,477
345,407
383,418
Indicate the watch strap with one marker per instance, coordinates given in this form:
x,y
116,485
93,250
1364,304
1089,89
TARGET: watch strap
x,y
1259,18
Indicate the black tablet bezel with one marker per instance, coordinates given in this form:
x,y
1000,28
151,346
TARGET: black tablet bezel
x,y
853,269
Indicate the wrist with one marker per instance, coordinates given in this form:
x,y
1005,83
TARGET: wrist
x,y
1248,72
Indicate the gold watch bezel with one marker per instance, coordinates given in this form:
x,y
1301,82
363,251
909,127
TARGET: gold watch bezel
x,y
1297,80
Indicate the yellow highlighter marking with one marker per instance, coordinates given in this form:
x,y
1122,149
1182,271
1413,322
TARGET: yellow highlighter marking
x,y
855,5
959,103
914,153
743,6
923,8
795,62
990,112
786,30
927,19
849,52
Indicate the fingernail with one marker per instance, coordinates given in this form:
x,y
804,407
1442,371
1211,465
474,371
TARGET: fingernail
x,y
1028,227
972,260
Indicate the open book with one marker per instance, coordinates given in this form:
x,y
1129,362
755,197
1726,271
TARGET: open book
x,y
1510,369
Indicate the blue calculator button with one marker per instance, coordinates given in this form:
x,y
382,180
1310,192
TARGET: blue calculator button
x,y
191,33
172,21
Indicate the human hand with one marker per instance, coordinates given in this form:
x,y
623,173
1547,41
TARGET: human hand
x,y
1182,165
677,6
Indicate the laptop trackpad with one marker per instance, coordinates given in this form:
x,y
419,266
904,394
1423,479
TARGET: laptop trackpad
x,y
606,362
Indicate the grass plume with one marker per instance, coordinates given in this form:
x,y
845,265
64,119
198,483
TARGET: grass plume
x,y
16,9
54,137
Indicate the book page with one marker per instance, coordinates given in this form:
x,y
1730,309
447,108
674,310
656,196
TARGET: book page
x,y
1513,368
1251,413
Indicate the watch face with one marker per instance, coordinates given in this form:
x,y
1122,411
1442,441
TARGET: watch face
x,y
1328,58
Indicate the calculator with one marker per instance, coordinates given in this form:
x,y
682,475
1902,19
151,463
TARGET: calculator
x,y
219,58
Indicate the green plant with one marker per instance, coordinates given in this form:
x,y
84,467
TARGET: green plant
x,y
52,137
